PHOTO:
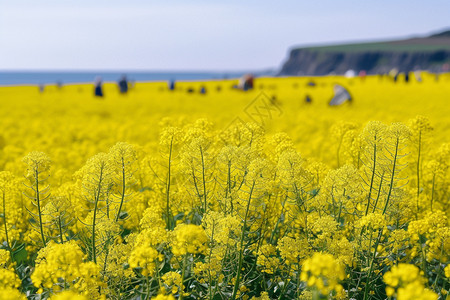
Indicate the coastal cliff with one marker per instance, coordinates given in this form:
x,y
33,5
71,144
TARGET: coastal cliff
x,y
428,53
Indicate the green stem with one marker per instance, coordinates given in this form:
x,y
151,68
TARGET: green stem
x,y
6,226
60,230
168,213
366,289
209,269
422,254
204,181
241,250
373,176
96,200
286,283
123,190
183,271
228,187
392,176
418,169
38,202
432,192
359,158
379,192
439,270
147,296
298,278
272,235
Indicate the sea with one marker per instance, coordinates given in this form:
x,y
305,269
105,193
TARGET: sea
x,y
71,77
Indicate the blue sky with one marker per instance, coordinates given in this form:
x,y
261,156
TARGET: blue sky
x,y
195,35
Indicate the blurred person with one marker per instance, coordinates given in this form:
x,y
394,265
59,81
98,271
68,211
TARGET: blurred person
x,y
418,75
203,90
341,95
350,73
362,74
249,82
98,90
241,83
274,100
393,74
245,82
171,84
308,99
123,84
396,77
190,90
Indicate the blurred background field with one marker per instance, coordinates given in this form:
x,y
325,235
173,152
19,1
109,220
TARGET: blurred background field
x,y
70,124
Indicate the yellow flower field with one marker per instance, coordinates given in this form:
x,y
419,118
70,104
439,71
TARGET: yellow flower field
x,y
162,194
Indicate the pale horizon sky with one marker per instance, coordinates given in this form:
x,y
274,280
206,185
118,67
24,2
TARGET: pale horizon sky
x,y
198,35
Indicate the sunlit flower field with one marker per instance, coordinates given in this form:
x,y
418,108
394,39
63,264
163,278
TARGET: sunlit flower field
x,y
161,194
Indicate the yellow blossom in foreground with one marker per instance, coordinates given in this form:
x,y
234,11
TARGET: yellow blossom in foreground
x,y
64,262
163,297
9,278
5,258
173,282
264,296
144,257
268,260
37,162
293,250
323,272
372,221
405,282
68,295
189,238
8,293
447,271
415,291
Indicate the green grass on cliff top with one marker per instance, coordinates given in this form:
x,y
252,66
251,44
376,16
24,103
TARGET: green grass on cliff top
x,y
401,46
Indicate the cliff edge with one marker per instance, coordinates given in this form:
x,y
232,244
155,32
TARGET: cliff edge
x,y
425,53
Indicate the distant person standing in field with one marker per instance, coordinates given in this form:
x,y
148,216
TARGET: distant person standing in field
x,y
393,74
362,74
123,84
341,95
98,90
171,85
245,82
418,75
396,77
308,99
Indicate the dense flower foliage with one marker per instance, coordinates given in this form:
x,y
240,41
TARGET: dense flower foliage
x,y
283,200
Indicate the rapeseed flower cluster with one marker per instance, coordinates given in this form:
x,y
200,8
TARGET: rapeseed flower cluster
x,y
405,282
189,239
62,266
285,201
323,272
